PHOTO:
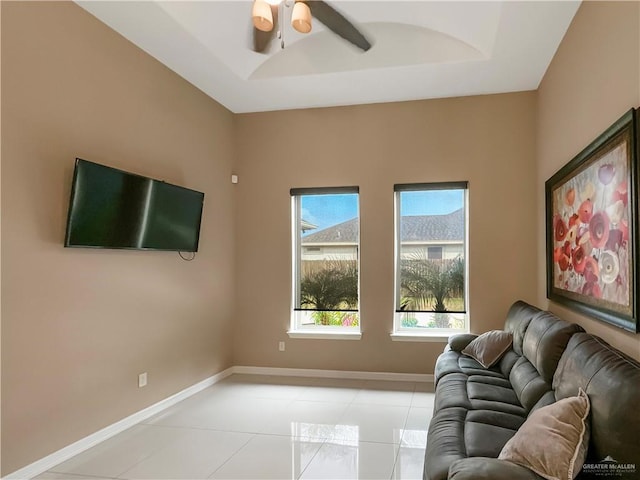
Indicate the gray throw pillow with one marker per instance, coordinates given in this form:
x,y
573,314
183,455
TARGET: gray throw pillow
x,y
489,347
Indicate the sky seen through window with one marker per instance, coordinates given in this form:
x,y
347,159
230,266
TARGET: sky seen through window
x,y
324,211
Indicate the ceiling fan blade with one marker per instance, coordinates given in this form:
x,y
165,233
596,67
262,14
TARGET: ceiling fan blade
x,y
337,23
261,40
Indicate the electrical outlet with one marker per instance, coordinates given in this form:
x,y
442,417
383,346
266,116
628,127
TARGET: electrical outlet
x,y
281,346
142,380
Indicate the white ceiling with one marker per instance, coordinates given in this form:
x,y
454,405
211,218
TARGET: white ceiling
x,y
421,49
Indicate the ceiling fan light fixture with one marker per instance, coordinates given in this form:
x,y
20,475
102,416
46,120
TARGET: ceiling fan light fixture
x,y
301,17
262,17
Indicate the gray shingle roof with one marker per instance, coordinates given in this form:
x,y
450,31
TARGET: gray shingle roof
x,y
448,227
415,228
345,232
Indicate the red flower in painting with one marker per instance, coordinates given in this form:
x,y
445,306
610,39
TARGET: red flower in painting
x,y
579,259
562,256
560,229
591,270
573,220
557,254
585,211
564,263
599,229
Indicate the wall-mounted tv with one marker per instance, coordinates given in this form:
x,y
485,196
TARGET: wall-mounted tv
x,y
110,208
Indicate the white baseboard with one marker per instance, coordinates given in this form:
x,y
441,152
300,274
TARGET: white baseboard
x,y
50,461
353,375
40,466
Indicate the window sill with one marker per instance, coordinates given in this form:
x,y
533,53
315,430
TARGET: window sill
x,y
325,335
413,337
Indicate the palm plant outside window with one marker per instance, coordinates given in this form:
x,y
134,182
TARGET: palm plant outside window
x,y
326,239
431,258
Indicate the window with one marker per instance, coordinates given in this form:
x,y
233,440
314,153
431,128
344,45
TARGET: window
x,y
326,240
431,259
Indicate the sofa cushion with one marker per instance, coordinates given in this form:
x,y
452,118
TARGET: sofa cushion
x,y
545,340
445,444
446,363
489,347
477,393
471,366
518,318
552,442
480,390
499,419
453,437
527,383
507,362
451,391
484,439
454,362
611,380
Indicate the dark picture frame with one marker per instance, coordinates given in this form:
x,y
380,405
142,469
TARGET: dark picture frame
x,y
592,228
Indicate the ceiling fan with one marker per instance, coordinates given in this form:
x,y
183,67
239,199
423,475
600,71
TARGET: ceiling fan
x,y
265,22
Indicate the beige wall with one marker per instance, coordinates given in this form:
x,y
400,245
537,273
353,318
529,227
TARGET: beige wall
x,y
594,78
79,325
487,140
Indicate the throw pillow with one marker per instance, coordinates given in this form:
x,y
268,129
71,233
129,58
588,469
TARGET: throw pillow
x,y
459,341
553,440
489,347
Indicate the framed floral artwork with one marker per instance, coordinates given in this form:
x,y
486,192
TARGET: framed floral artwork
x,y
591,228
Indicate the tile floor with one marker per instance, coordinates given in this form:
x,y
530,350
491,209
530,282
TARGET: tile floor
x,y
262,427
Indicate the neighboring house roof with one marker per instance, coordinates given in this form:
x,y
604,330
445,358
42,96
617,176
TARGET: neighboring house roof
x,y
446,228
345,232
307,225
415,228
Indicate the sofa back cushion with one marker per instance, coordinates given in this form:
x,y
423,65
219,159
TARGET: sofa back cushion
x,y
518,318
527,383
544,342
611,380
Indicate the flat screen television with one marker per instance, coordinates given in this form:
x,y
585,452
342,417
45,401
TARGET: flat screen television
x,y
110,208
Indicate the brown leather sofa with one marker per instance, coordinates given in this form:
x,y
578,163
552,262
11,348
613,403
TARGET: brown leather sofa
x,y
478,410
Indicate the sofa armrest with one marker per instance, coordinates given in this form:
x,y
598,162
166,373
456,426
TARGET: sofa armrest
x,y
482,468
459,341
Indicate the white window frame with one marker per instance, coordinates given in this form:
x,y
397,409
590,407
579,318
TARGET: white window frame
x,y
296,328
401,333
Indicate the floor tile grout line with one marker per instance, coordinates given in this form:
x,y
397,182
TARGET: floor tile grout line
x,y
322,444
121,474
232,455
404,429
